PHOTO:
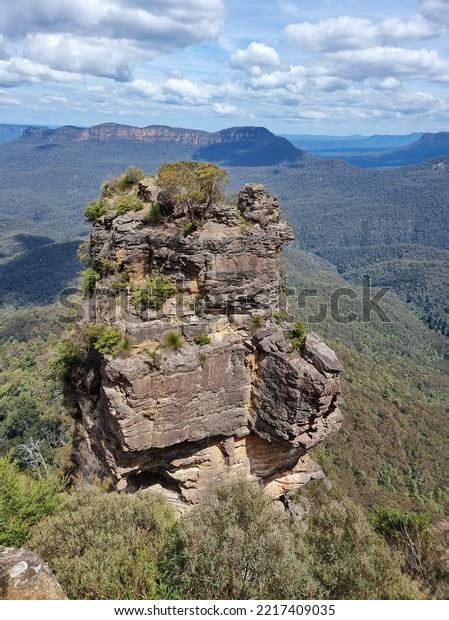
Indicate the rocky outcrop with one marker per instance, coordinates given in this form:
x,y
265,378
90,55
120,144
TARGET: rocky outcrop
x,y
23,576
237,398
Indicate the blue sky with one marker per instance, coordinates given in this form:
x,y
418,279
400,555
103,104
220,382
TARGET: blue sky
x,y
294,66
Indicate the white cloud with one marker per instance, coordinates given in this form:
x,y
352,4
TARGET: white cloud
x,y
105,37
348,33
85,55
159,23
256,59
225,109
16,71
389,62
436,11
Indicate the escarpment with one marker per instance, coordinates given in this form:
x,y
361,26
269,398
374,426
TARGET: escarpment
x,y
207,378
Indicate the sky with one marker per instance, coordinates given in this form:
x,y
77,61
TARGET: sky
x,y
295,66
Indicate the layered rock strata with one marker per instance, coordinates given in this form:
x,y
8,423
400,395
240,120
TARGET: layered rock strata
x,y
236,399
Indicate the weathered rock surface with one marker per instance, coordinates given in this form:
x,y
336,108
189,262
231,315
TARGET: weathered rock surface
x,y
23,576
245,403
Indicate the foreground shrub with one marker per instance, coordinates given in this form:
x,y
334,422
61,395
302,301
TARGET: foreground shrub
x,y
350,560
192,183
297,334
237,545
88,279
202,339
106,546
24,501
411,534
153,214
69,354
106,339
95,209
173,340
153,292
124,204
130,177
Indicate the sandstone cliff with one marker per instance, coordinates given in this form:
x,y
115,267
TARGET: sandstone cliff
x,y
232,393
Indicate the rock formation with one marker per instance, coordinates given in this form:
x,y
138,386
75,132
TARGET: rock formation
x,y
237,398
23,576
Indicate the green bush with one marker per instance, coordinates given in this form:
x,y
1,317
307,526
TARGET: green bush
x,y
280,317
110,187
202,339
69,355
130,177
106,339
153,214
124,204
256,321
88,279
190,227
237,545
173,340
350,560
192,183
106,545
153,292
120,281
297,334
95,210
24,502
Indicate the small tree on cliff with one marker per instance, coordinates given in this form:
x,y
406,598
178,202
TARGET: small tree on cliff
x,y
193,185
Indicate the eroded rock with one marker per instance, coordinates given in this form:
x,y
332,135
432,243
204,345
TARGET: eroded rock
x,y
238,402
23,576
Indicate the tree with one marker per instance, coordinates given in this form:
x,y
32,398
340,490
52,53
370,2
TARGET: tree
x,y
24,501
350,560
237,545
193,185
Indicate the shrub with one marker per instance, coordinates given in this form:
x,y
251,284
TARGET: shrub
x,y
23,502
88,279
190,227
408,532
192,183
121,281
69,355
280,317
350,560
297,334
153,292
106,339
106,545
256,321
202,339
110,187
173,340
130,177
95,209
83,252
124,204
153,214
237,545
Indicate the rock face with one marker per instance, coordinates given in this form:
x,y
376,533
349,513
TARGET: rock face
x,y
23,576
236,399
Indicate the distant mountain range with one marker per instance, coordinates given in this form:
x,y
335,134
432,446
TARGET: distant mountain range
x,y
377,151
428,146
327,145
236,146
387,222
